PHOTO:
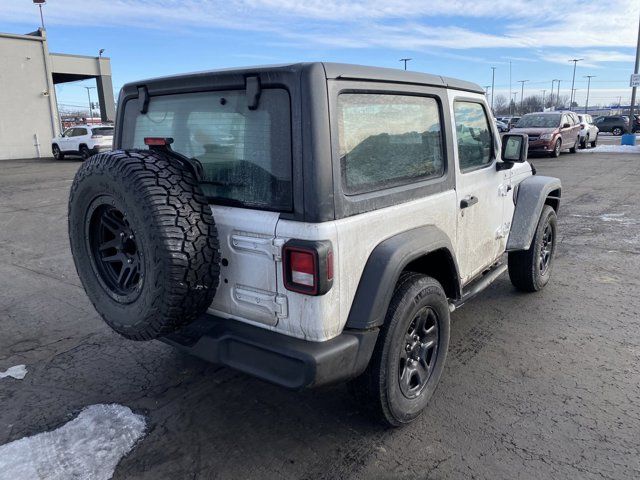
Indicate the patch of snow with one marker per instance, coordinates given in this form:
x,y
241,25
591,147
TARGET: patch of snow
x,y
614,149
18,372
88,447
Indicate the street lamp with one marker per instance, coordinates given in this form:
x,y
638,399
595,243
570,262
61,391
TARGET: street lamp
x,y
558,97
89,96
405,60
522,82
543,94
40,3
493,82
573,81
100,52
586,103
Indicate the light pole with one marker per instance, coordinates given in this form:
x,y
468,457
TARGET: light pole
x,y
633,91
514,99
522,82
573,95
558,97
89,97
586,103
493,82
405,60
543,94
40,3
551,93
573,81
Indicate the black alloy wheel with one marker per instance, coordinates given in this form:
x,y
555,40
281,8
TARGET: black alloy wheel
x,y
418,357
115,251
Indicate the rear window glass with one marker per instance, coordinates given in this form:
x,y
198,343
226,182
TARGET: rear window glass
x,y
102,131
387,140
245,154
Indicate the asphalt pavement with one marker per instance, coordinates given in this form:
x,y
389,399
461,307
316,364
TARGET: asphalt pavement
x,y
542,385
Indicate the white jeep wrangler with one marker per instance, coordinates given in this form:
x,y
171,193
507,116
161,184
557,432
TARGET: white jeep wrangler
x,y
309,223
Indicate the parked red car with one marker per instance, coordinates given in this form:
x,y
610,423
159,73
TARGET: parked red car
x,y
550,132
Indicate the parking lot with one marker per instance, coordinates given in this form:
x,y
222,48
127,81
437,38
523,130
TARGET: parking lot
x,y
536,386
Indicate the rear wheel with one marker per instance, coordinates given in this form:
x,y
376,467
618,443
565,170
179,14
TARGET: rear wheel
x,y
594,142
57,153
85,153
574,149
530,270
585,142
617,131
409,357
144,242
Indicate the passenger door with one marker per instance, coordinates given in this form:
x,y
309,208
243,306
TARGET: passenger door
x,y
481,190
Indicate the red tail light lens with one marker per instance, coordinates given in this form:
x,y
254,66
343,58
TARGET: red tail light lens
x,y
303,268
157,141
308,266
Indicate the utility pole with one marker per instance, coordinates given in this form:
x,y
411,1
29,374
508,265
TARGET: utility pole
x,y
89,97
633,91
522,82
405,60
586,104
543,94
493,82
575,62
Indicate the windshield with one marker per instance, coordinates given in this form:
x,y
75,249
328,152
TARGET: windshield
x,y
245,154
105,131
539,121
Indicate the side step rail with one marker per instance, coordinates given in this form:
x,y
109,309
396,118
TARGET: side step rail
x,y
476,287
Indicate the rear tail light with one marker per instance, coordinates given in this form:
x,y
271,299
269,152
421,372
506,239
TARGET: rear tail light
x,y
157,141
308,266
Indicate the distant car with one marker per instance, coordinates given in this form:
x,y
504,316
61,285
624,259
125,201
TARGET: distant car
x,y
510,121
616,124
83,140
588,131
502,126
550,132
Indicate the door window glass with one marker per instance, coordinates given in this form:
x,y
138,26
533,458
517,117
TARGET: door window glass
x,y
475,141
387,140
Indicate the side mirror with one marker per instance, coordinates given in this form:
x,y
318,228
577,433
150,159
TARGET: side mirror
x,y
515,147
566,125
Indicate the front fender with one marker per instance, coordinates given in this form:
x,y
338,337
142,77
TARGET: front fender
x,y
532,195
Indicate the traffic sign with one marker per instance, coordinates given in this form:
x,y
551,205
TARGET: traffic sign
x,y
635,80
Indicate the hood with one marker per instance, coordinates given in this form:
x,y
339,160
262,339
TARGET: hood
x,y
533,130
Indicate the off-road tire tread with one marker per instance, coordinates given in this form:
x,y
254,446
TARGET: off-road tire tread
x,y
369,388
522,271
187,243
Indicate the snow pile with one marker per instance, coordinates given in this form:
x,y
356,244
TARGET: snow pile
x,y
614,149
18,372
86,448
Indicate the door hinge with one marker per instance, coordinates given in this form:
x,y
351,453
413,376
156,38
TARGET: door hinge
x,y
270,302
504,189
268,246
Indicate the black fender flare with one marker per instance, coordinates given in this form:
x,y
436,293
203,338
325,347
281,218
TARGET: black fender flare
x,y
532,194
384,266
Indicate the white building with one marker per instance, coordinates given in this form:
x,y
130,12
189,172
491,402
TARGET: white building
x,y
28,108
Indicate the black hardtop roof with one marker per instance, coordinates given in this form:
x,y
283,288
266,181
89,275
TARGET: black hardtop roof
x,y
332,71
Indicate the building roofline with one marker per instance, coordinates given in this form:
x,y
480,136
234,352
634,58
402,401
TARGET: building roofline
x,y
93,57
35,36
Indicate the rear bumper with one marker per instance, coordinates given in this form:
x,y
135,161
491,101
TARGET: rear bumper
x,y
274,357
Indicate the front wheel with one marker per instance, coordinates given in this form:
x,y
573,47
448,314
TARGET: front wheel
x,y
57,153
585,142
409,357
594,143
556,148
530,270
617,131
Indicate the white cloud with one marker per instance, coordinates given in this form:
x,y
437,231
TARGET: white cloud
x,y
408,25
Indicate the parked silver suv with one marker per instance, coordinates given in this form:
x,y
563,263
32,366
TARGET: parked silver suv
x,y
309,223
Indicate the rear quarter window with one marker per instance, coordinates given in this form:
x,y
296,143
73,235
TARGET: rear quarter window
x,y
387,140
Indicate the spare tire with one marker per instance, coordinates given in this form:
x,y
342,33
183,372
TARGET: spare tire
x,y
144,241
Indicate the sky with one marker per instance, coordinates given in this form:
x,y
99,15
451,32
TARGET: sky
x,y
457,38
